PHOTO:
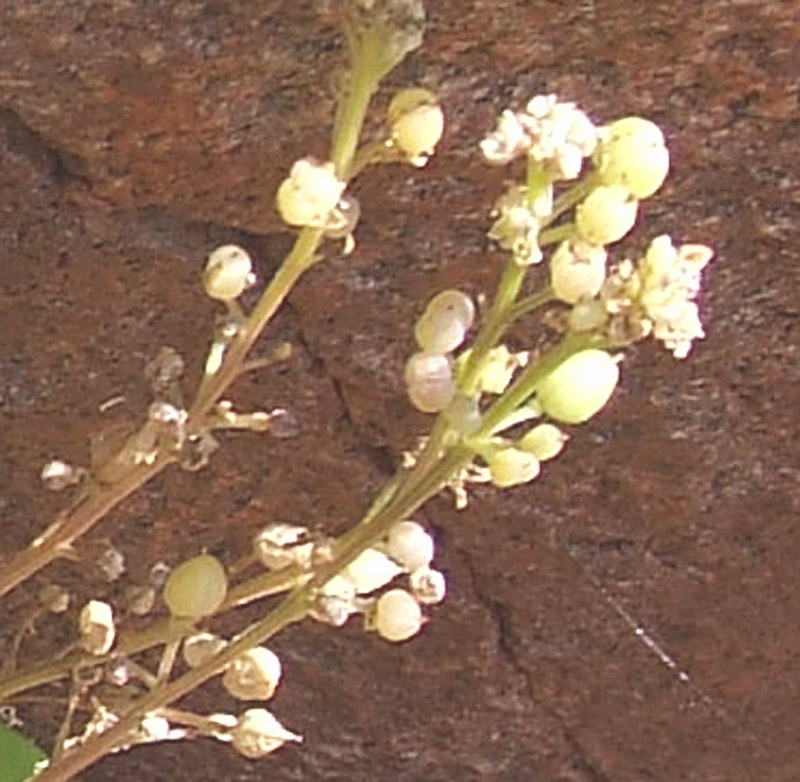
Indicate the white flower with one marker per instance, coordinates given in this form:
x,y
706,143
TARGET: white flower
x,y
517,228
670,281
556,134
96,626
309,194
507,141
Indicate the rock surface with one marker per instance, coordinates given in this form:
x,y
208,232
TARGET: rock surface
x,y
633,614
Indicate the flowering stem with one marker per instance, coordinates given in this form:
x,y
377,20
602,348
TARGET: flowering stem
x,y
525,385
417,489
557,234
530,303
74,523
494,325
365,76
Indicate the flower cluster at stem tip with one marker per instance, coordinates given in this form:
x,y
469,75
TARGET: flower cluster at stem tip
x,y
580,210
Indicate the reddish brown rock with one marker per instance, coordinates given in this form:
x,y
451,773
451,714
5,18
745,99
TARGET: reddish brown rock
x,y
136,136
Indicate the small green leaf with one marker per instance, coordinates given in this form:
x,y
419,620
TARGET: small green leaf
x,y
18,755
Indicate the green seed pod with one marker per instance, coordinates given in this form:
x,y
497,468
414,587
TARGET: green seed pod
x,y
200,647
196,588
580,387
371,570
633,154
606,215
258,732
577,271
511,466
417,122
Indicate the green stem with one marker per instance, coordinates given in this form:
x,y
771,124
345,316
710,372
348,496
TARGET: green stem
x,y
570,197
56,541
365,75
530,303
494,325
557,234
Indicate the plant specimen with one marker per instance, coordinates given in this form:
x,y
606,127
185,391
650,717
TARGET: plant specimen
x,y
499,413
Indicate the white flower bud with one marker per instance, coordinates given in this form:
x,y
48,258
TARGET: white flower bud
x,y
606,215
196,588
309,194
511,466
258,732
429,378
427,585
371,570
577,271
578,388
96,627
633,154
417,123
544,441
410,545
442,326
201,647
397,615
253,675
229,271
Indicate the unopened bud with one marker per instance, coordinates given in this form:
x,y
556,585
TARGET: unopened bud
x,y
96,626
258,732
606,215
229,271
253,675
578,388
632,153
417,123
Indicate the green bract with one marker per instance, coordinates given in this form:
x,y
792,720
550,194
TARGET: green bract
x,y
196,588
633,154
578,388
544,441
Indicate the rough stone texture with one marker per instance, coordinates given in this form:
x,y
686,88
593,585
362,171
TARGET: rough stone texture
x,y
134,136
